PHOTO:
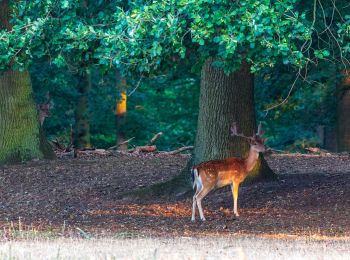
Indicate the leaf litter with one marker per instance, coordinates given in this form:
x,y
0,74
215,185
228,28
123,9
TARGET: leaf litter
x,y
84,196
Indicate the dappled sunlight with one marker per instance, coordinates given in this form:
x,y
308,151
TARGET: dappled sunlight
x,y
151,210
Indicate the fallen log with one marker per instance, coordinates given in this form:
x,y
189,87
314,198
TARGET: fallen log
x,y
143,149
90,151
316,150
116,146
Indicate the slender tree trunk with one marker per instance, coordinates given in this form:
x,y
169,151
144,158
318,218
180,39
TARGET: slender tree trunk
x,y
82,127
120,113
343,114
21,137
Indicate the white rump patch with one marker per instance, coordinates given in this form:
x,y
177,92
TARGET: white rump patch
x,y
197,180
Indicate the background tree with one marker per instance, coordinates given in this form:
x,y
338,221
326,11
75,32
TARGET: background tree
x,y
149,37
121,113
343,109
21,134
43,29
82,113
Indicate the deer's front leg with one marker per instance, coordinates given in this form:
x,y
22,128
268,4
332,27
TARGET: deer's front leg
x,y
234,188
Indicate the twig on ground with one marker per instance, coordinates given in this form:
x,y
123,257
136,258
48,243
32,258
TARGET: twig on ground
x,y
186,148
116,146
275,150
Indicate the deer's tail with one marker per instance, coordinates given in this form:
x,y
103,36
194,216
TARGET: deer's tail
x,y
195,178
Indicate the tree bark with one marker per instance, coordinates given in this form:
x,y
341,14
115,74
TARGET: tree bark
x,y
21,137
343,111
82,123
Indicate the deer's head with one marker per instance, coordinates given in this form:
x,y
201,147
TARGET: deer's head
x,y
256,141
44,109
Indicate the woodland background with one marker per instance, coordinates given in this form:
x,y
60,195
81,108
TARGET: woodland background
x,y
79,75
85,57
169,104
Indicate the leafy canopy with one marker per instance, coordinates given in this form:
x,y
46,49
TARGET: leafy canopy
x,y
151,35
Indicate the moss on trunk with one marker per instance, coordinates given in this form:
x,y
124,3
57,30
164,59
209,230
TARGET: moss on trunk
x,y
21,137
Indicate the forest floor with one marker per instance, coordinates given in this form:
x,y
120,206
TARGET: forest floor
x,y
83,198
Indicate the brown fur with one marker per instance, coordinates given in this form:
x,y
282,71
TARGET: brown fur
x,y
222,172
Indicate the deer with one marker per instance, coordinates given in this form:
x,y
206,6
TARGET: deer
x,y
232,171
44,109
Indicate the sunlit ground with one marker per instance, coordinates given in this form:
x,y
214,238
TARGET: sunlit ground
x,y
232,247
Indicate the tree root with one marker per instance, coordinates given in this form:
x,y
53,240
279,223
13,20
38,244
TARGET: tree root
x,y
174,189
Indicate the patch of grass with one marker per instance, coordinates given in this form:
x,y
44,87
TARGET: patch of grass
x,y
19,231
126,234
230,247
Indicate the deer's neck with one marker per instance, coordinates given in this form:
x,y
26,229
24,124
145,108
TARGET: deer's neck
x,y
251,160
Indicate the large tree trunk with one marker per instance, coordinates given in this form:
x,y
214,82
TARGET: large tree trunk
x,y
343,115
21,137
82,123
224,99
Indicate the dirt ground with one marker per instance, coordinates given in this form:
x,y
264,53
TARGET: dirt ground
x,y
83,196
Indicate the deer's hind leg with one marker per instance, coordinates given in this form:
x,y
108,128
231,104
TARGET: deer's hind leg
x,y
197,184
194,206
203,192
